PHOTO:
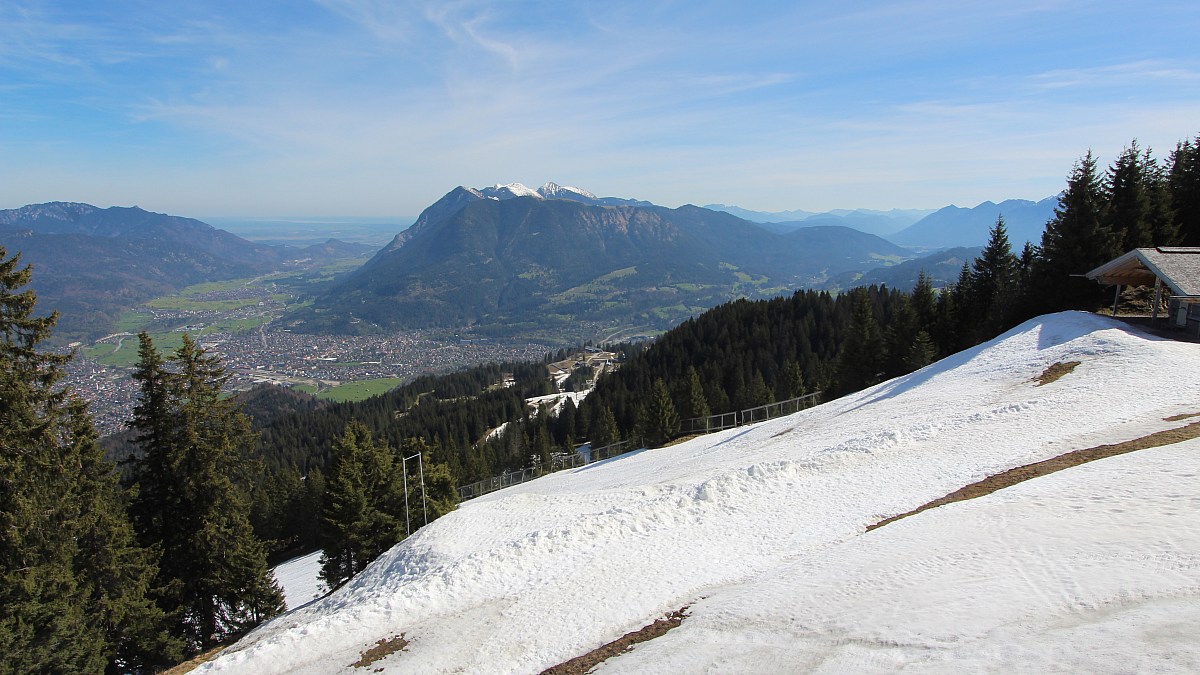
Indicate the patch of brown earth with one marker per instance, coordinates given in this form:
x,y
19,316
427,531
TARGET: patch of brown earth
x,y
1176,418
1023,473
382,648
582,664
1055,371
195,662
681,439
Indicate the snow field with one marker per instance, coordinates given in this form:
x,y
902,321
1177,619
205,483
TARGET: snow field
x,y
1092,569
300,579
528,577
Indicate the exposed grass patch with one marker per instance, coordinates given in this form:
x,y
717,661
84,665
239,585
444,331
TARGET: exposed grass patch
x,y
582,664
1071,459
186,304
1176,418
1056,371
382,648
126,356
195,662
362,390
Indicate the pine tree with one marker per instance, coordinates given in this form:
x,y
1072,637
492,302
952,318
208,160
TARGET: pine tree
x,y
994,284
660,421
1128,195
1075,241
72,581
862,353
604,429
213,578
362,513
921,353
697,402
899,337
924,300
1183,180
115,572
43,621
792,381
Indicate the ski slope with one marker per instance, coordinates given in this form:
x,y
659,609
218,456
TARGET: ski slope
x,y
760,530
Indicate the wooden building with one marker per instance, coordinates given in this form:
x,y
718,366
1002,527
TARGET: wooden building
x,y
1173,270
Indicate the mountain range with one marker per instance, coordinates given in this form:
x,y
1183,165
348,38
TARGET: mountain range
x,y
510,259
91,263
881,223
956,226
505,259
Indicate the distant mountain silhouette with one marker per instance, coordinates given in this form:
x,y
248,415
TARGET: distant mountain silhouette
x,y
90,263
942,268
521,263
871,221
956,226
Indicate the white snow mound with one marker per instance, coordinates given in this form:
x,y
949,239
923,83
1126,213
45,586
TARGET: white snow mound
x,y
761,530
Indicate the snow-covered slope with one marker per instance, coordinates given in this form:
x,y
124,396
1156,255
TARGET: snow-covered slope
x,y
761,530
300,579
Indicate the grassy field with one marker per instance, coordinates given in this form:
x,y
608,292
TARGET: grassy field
x,y
125,354
357,391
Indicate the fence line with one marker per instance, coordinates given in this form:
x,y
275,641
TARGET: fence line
x,y
711,423
558,462
695,425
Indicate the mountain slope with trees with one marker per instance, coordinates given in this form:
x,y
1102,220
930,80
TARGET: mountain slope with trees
x,y
92,263
508,264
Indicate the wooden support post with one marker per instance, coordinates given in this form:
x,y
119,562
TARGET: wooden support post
x,y
1116,297
1157,298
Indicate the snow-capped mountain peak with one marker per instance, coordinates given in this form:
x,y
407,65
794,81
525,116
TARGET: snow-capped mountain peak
x,y
555,191
509,190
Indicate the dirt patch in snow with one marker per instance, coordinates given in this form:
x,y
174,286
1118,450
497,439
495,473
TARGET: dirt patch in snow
x,y
582,664
1056,371
1176,418
1023,473
382,648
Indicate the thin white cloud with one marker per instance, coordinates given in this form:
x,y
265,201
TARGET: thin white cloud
x,y
1136,72
387,21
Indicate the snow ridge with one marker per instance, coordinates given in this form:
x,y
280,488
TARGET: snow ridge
x,y
761,529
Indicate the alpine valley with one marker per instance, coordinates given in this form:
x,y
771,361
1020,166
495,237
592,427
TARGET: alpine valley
x,y
93,263
511,260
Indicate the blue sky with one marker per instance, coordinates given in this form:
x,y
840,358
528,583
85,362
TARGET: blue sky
x,y
372,108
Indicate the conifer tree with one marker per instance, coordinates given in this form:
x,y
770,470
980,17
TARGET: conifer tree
x,y
1075,242
43,622
1129,195
924,300
921,353
72,580
792,381
362,514
660,421
697,402
213,578
862,352
1183,181
994,284
604,428
899,337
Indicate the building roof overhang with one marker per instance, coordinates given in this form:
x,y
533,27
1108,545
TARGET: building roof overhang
x,y
1178,267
